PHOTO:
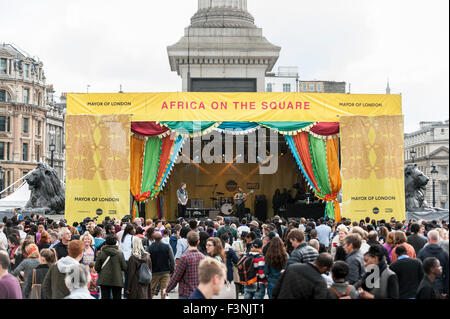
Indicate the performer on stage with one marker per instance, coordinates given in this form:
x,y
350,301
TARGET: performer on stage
x,y
240,198
182,195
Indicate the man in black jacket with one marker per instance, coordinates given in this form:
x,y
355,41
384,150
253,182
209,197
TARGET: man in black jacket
x,y
434,250
61,247
409,273
305,281
416,240
432,269
163,263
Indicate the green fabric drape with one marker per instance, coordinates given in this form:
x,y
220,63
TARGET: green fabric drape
x,y
151,163
191,128
318,151
288,128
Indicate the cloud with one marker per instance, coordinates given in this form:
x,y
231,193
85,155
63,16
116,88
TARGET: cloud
x,y
363,42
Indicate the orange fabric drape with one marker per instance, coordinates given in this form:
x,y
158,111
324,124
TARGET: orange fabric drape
x,y
166,149
334,172
137,162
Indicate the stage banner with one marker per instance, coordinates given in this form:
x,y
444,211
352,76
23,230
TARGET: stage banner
x,y
234,107
372,156
97,166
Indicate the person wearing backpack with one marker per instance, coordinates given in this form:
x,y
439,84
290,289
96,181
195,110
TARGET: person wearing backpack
x,y
110,264
341,289
232,233
251,272
139,272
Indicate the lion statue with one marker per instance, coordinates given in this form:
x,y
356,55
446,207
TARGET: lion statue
x,y
415,185
47,191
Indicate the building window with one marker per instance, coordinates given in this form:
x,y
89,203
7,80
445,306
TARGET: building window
x,y
5,96
27,70
25,124
24,173
26,96
5,124
444,189
269,87
311,87
3,69
39,124
25,152
319,87
442,170
304,87
2,150
286,87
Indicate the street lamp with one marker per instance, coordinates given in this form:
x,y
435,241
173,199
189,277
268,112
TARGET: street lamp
x,y
52,147
2,175
434,173
413,154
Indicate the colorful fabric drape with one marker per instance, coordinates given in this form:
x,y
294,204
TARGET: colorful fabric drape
x,y
166,150
288,128
238,128
325,129
149,129
173,157
319,163
151,167
137,162
191,129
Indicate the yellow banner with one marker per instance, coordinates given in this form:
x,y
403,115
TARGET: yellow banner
x,y
97,167
372,151
237,107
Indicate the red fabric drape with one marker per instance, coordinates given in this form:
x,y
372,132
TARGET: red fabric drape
x,y
325,128
166,149
148,128
302,143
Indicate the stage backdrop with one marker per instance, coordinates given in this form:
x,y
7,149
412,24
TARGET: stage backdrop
x,y
372,151
237,107
97,166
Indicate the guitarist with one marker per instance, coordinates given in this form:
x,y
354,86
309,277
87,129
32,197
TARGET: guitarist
x,y
240,198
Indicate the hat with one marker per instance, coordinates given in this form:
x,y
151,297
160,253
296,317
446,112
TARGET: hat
x,y
227,220
276,217
254,223
257,243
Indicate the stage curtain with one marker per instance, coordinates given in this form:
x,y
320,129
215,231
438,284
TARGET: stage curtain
x,y
325,129
238,128
318,160
137,162
288,128
334,173
151,167
302,147
174,153
190,128
149,129
166,149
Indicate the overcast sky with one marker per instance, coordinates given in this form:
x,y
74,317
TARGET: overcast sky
x,y
105,43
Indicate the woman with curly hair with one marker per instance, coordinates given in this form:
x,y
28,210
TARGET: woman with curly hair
x,y
275,260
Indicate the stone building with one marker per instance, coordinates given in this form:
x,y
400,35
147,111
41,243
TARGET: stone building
x,y
55,132
322,87
430,147
285,80
22,113
223,50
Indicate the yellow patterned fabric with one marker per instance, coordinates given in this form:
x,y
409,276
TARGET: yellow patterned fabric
x,y
372,151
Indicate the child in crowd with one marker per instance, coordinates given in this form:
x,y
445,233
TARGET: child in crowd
x,y
93,288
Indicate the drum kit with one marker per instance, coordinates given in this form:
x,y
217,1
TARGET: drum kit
x,y
224,204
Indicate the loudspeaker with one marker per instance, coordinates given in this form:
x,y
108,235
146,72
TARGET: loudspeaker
x,y
261,207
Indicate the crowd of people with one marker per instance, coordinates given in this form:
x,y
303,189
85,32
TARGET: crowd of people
x,y
224,258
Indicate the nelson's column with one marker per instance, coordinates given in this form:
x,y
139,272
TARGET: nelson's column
x,y
223,50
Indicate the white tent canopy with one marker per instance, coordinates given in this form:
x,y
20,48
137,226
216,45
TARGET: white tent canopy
x,y
17,199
